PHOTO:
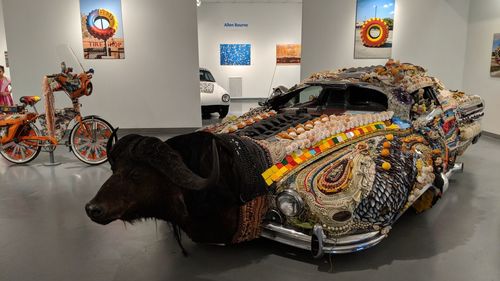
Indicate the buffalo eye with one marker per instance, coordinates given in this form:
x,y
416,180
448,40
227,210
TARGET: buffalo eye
x,y
135,176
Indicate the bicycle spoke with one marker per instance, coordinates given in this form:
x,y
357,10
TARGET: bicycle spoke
x,y
9,145
22,151
16,150
83,142
94,129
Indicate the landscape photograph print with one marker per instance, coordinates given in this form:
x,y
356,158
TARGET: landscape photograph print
x,y
102,29
374,29
495,56
288,54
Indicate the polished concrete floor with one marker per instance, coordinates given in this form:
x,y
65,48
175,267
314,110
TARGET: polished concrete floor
x,y
46,236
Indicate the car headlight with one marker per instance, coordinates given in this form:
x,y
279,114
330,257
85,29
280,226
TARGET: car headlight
x,y
226,98
290,203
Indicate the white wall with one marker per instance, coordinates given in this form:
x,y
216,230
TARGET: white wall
x,y
156,86
3,42
269,24
484,22
431,33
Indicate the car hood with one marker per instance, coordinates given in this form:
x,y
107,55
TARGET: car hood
x,y
354,173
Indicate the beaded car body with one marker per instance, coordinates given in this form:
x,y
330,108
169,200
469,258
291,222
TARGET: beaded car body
x,y
351,150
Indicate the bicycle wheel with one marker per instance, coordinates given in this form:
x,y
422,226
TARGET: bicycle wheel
x,y
22,152
89,145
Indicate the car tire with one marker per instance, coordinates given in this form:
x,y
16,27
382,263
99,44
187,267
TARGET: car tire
x,y
366,36
223,110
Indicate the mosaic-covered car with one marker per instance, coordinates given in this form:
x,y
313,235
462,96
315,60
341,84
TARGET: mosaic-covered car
x,y
349,151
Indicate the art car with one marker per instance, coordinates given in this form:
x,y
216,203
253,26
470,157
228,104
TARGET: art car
x,y
328,166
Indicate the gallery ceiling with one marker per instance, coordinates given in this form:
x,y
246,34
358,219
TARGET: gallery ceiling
x,y
252,1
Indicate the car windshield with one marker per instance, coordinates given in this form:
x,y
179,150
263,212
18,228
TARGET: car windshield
x,y
305,95
349,98
206,76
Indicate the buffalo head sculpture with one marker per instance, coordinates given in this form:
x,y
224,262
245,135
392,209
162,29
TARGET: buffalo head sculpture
x,y
178,181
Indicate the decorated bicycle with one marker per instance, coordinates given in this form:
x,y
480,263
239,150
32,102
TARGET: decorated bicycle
x,y
22,139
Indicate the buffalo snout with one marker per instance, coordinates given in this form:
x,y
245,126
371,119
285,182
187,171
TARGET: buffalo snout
x,y
96,213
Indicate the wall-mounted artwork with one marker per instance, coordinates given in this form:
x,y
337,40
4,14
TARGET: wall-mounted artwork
x,y
288,53
495,56
235,54
374,29
102,29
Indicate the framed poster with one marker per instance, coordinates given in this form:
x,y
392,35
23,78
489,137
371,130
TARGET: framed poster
x,y
495,56
288,53
235,54
374,29
102,29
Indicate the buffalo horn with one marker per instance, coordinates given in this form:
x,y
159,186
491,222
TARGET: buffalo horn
x,y
109,145
192,181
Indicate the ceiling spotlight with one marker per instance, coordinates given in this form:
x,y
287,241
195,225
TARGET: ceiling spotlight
x,y
198,3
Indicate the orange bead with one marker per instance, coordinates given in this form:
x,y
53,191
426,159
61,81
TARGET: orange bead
x,y
386,166
387,144
389,137
385,152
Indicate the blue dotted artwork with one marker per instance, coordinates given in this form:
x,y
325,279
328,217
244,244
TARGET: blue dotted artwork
x,y
235,54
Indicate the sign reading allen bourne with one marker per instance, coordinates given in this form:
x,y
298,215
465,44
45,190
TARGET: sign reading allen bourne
x,y
235,25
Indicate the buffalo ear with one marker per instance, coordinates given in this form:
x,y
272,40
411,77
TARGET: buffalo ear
x,y
109,144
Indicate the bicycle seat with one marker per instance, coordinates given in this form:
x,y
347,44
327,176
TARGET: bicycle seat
x,y
29,100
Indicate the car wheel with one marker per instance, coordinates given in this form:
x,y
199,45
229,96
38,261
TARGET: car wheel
x,y
223,110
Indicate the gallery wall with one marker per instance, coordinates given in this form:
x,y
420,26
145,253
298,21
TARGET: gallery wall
x,y
484,21
268,24
430,33
156,86
3,42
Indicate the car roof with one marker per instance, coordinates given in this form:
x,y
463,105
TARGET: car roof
x,y
396,80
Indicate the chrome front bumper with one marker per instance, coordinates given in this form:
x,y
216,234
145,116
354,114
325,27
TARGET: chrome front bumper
x,y
344,245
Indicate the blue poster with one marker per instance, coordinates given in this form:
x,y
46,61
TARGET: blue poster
x,y
235,54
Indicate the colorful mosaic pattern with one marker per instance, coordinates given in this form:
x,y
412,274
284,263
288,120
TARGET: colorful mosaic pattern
x,y
279,170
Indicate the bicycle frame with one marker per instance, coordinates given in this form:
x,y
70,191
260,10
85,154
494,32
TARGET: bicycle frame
x,y
16,125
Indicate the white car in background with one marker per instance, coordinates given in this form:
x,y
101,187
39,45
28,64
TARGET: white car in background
x,y
214,98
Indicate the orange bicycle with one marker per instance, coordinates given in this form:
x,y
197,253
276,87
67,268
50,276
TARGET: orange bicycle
x,y
22,140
